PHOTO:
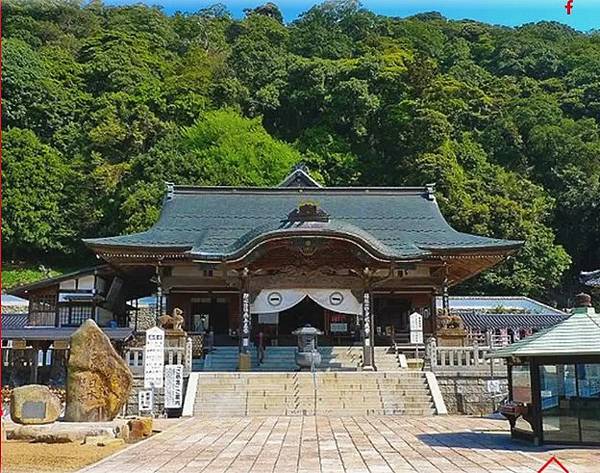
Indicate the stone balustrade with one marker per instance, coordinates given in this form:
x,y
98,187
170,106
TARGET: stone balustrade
x,y
134,356
471,357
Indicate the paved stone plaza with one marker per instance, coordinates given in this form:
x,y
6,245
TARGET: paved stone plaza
x,y
341,444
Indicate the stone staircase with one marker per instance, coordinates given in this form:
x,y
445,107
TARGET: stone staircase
x,y
323,393
223,359
279,359
386,359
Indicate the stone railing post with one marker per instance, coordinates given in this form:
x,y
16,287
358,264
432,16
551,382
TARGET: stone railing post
x,y
188,357
475,352
432,352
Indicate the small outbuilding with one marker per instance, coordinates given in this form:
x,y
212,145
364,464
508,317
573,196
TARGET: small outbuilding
x,y
554,381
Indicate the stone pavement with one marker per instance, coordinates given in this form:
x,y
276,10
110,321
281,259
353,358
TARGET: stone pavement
x,y
448,444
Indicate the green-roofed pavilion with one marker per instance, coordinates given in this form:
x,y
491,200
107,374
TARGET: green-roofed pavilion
x,y
554,380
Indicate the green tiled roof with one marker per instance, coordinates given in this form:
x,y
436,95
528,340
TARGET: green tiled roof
x,y
577,335
215,223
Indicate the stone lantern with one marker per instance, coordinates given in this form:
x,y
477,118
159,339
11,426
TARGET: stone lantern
x,y
307,355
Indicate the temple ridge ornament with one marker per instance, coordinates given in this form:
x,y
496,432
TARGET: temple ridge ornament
x,y
308,211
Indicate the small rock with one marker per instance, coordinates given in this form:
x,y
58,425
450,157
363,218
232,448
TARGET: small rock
x,y
122,431
111,442
140,428
95,439
34,404
98,379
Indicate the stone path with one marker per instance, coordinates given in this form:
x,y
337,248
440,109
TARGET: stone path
x,y
449,444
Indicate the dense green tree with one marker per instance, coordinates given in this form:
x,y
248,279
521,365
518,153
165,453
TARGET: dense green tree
x,y
111,102
35,197
221,148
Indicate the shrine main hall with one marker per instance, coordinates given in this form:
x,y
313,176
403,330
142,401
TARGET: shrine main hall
x,y
353,262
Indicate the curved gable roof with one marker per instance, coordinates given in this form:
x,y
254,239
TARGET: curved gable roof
x,y
216,223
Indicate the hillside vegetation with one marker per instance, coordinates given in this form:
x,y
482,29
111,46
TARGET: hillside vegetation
x,y
102,105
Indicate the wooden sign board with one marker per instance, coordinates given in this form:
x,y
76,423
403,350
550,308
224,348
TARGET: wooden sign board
x,y
416,338
145,400
60,344
154,358
338,327
173,386
416,328
415,321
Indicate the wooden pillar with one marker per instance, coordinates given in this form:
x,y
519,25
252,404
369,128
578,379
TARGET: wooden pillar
x,y
33,357
536,402
445,296
367,323
159,295
246,322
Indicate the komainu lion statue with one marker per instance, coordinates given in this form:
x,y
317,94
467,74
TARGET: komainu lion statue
x,y
172,322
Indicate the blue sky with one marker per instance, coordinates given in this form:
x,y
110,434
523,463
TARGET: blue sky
x,y
585,15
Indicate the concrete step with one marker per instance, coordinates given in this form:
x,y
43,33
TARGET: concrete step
x,y
292,393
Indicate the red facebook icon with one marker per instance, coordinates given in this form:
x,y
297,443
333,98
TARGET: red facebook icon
x,y
569,6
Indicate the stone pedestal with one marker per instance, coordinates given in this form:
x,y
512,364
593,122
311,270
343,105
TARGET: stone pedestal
x,y
454,338
245,363
175,338
451,331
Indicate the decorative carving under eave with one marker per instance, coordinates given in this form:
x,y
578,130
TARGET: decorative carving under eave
x,y
301,276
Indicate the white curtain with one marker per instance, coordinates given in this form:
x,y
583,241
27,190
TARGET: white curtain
x,y
278,300
336,300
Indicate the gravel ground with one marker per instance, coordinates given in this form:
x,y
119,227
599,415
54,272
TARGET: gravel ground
x,y
24,457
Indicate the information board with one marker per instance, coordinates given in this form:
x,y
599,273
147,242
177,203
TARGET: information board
x,y
416,338
416,328
272,318
173,386
154,358
145,400
338,327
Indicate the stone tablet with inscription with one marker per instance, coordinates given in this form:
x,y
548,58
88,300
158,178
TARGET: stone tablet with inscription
x,y
33,410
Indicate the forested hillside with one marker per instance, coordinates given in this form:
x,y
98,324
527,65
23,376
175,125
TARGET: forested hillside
x,y
102,105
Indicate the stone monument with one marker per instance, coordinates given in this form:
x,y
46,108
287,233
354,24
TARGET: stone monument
x,y
98,379
34,404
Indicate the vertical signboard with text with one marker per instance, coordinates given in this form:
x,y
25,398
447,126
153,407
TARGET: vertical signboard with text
x,y
154,358
173,386
416,328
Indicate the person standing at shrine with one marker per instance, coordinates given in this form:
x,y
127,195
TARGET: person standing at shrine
x,y
260,347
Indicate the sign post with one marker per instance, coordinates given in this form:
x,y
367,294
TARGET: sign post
x,y
154,358
416,330
145,401
173,386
